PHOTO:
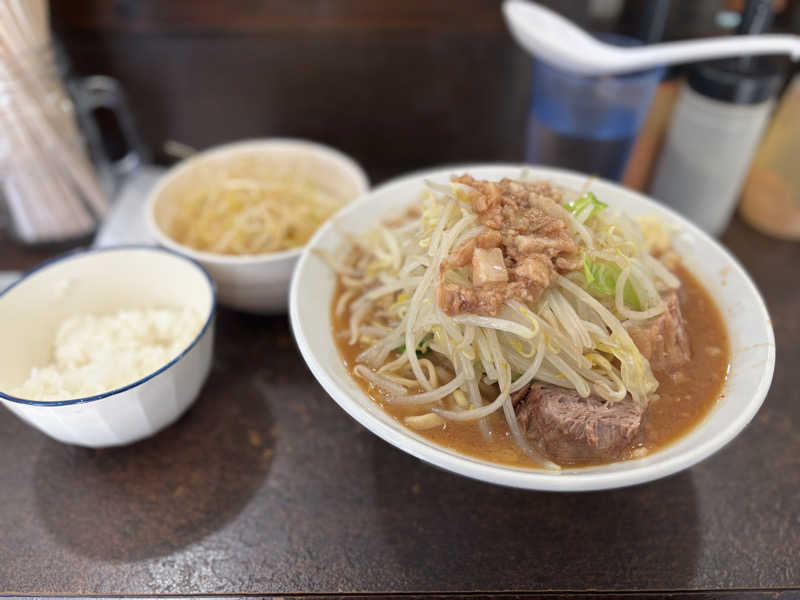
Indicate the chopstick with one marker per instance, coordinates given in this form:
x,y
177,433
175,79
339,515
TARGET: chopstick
x,y
49,182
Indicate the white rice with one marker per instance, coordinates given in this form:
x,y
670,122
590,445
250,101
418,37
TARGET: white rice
x,y
93,354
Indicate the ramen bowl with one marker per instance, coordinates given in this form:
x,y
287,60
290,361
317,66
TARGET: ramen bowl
x,y
105,281
750,336
256,283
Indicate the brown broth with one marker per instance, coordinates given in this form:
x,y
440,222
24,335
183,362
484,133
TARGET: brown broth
x,y
681,405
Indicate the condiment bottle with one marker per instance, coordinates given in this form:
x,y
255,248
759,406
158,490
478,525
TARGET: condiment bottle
x,y
717,123
718,120
771,197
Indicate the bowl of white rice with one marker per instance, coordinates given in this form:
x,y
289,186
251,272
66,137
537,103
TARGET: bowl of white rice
x,y
106,347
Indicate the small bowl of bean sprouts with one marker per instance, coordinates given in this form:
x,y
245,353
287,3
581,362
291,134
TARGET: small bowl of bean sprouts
x,y
245,210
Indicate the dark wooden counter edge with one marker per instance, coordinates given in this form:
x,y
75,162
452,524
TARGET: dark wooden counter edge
x,y
709,594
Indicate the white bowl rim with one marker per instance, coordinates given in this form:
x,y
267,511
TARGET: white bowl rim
x,y
72,254
542,480
358,173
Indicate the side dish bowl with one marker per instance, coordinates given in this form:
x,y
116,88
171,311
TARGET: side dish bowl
x,y
752,343
100,282
257,283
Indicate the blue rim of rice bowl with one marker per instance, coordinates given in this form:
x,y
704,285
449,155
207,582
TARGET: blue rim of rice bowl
x,y
82,252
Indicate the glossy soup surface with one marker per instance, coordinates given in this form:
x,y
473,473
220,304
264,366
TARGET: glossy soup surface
x,y
683,400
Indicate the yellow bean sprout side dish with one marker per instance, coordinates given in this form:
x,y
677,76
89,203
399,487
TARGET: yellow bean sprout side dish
x,y
526,324
251,206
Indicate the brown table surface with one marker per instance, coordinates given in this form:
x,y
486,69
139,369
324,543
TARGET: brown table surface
x,y
267,486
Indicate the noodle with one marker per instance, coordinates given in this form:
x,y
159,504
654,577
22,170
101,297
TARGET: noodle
x,y
467,366
428,397
378,380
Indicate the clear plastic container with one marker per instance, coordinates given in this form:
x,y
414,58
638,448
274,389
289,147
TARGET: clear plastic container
x,y
55,176
587,123
42,150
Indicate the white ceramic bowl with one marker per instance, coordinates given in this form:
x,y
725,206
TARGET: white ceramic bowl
x,y
255,283
749,329
105,281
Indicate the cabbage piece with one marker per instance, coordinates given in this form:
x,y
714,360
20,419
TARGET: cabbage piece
x,y
576,207
601,278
